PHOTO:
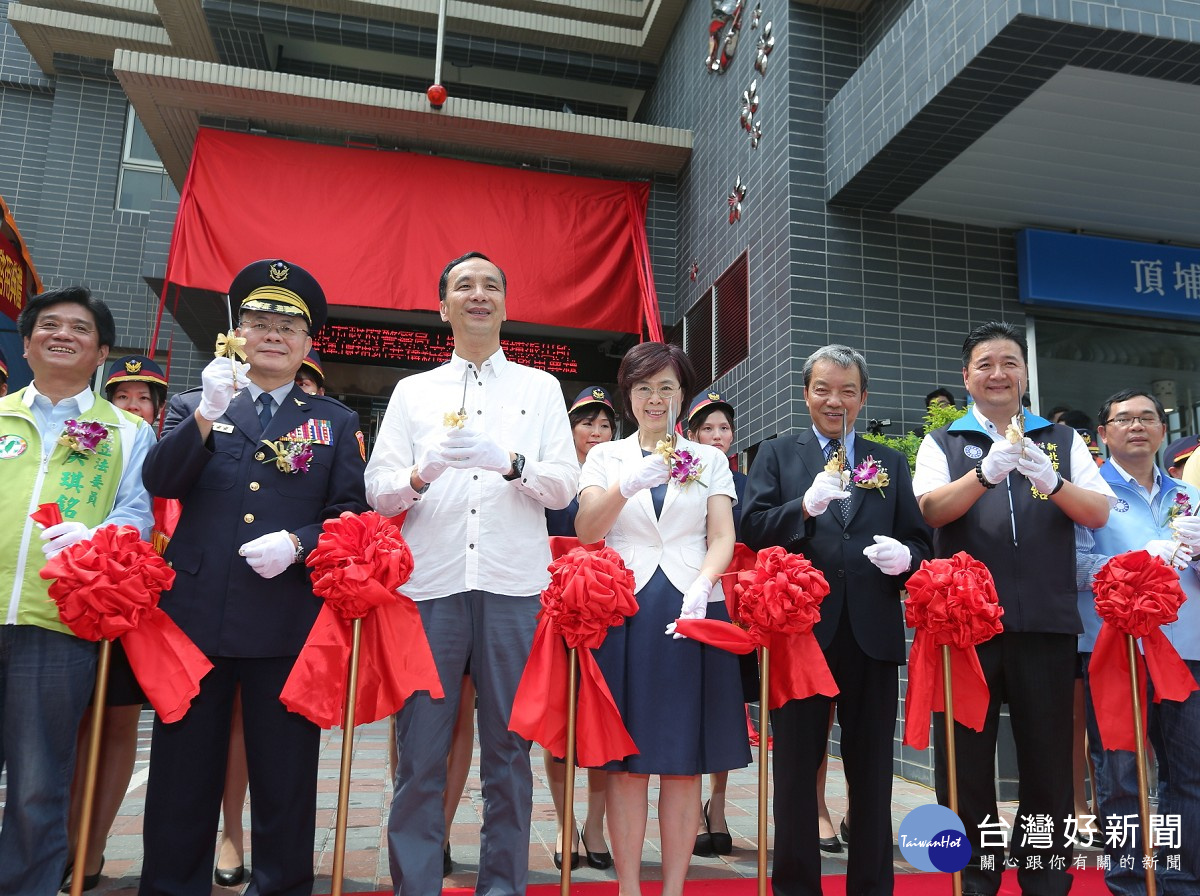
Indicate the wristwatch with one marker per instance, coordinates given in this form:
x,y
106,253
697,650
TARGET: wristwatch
x,y
518,467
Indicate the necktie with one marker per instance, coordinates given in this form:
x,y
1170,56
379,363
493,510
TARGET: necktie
x,y
843,506
266,409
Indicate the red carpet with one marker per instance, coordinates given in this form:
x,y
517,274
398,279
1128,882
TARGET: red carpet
x,y
1087,883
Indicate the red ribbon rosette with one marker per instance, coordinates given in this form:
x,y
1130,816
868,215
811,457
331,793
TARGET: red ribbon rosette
x,y
589,592
1135,594
951,602
777,602
108,587
359,563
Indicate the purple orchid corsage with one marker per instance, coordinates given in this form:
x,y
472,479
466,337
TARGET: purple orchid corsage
x,y
83,436
870,474
685,466
290,456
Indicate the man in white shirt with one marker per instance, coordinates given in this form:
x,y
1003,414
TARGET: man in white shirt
x,y
46,673
1013,505
475,451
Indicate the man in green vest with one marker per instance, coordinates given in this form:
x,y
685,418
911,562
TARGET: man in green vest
x,y
59,442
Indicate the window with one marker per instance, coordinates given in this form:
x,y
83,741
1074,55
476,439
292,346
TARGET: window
x,y
698,337
142,178
716,331
733,315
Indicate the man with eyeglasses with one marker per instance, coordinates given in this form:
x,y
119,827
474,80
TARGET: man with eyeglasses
x,y
475,451
800,495
258,465
1008,487
46,673
1157,514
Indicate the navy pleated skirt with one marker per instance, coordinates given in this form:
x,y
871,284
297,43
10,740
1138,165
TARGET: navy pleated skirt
x,y
681,700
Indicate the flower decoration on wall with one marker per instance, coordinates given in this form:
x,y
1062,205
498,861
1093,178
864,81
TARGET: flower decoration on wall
x,y
735,199
724,25
750,101
694,271
766,44
757,16
756,134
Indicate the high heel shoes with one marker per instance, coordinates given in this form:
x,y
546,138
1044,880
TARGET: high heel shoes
x,y
90,881
598,860
229,877
722,842
575,860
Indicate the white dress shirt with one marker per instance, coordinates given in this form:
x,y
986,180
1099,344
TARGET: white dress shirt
x,y
474,530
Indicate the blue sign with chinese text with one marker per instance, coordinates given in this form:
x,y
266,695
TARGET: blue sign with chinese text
x,y
1092,273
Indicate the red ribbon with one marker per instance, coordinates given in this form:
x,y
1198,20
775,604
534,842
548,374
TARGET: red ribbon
x,y
951,602
776,604
1135,594
359,563
589,592
108,586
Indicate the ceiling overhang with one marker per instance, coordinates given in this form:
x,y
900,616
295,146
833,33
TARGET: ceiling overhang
x,y
173,95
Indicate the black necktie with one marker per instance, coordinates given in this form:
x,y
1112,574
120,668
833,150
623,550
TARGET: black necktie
x,y
266,409
843,506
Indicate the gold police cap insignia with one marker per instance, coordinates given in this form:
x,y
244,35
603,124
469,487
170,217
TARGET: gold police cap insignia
x,y
714,396
279,272
598,394
133,366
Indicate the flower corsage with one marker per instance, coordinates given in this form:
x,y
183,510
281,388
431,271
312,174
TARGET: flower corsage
x,y
685,466
293,456
83,436
871,474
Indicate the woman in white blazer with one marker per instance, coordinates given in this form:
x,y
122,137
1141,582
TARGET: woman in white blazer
x,y
680,700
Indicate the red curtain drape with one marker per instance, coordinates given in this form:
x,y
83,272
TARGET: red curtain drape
x,y
376,228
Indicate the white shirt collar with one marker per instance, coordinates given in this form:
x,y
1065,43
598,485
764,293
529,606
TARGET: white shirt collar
x,y
83,400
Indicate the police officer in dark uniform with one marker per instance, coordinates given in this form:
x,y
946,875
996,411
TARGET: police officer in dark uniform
x,y
258,465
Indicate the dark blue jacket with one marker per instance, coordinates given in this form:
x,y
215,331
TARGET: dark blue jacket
x,y
232,493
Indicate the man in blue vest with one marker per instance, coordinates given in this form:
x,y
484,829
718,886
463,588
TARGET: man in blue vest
x,y
1157,514
258,465
47,674
1008,487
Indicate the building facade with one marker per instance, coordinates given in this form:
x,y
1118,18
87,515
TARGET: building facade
x,y
854,171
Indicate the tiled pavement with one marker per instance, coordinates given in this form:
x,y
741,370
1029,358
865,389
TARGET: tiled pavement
x,y
366,850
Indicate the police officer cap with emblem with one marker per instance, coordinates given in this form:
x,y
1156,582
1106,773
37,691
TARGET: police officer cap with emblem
x,y
703,405
588,402
279,287
1178,452
137,369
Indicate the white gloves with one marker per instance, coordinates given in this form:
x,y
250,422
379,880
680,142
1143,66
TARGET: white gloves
x,y
652,471
469,449
432,463
889,556
1035,466
62,535
1168,550
219,383
1187,530
695,603
1000,460
826,488
269,555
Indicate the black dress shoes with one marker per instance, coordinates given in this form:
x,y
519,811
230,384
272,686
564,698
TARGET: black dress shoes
x,y
229,877
598,860
830,844
574,860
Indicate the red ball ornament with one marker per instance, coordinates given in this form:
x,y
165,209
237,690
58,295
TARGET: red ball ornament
x,y
437,95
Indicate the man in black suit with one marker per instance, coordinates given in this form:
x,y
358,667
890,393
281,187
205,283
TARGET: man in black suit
x,y
251,512
866,541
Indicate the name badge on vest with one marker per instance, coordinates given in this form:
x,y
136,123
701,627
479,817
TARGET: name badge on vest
x,y
222,427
